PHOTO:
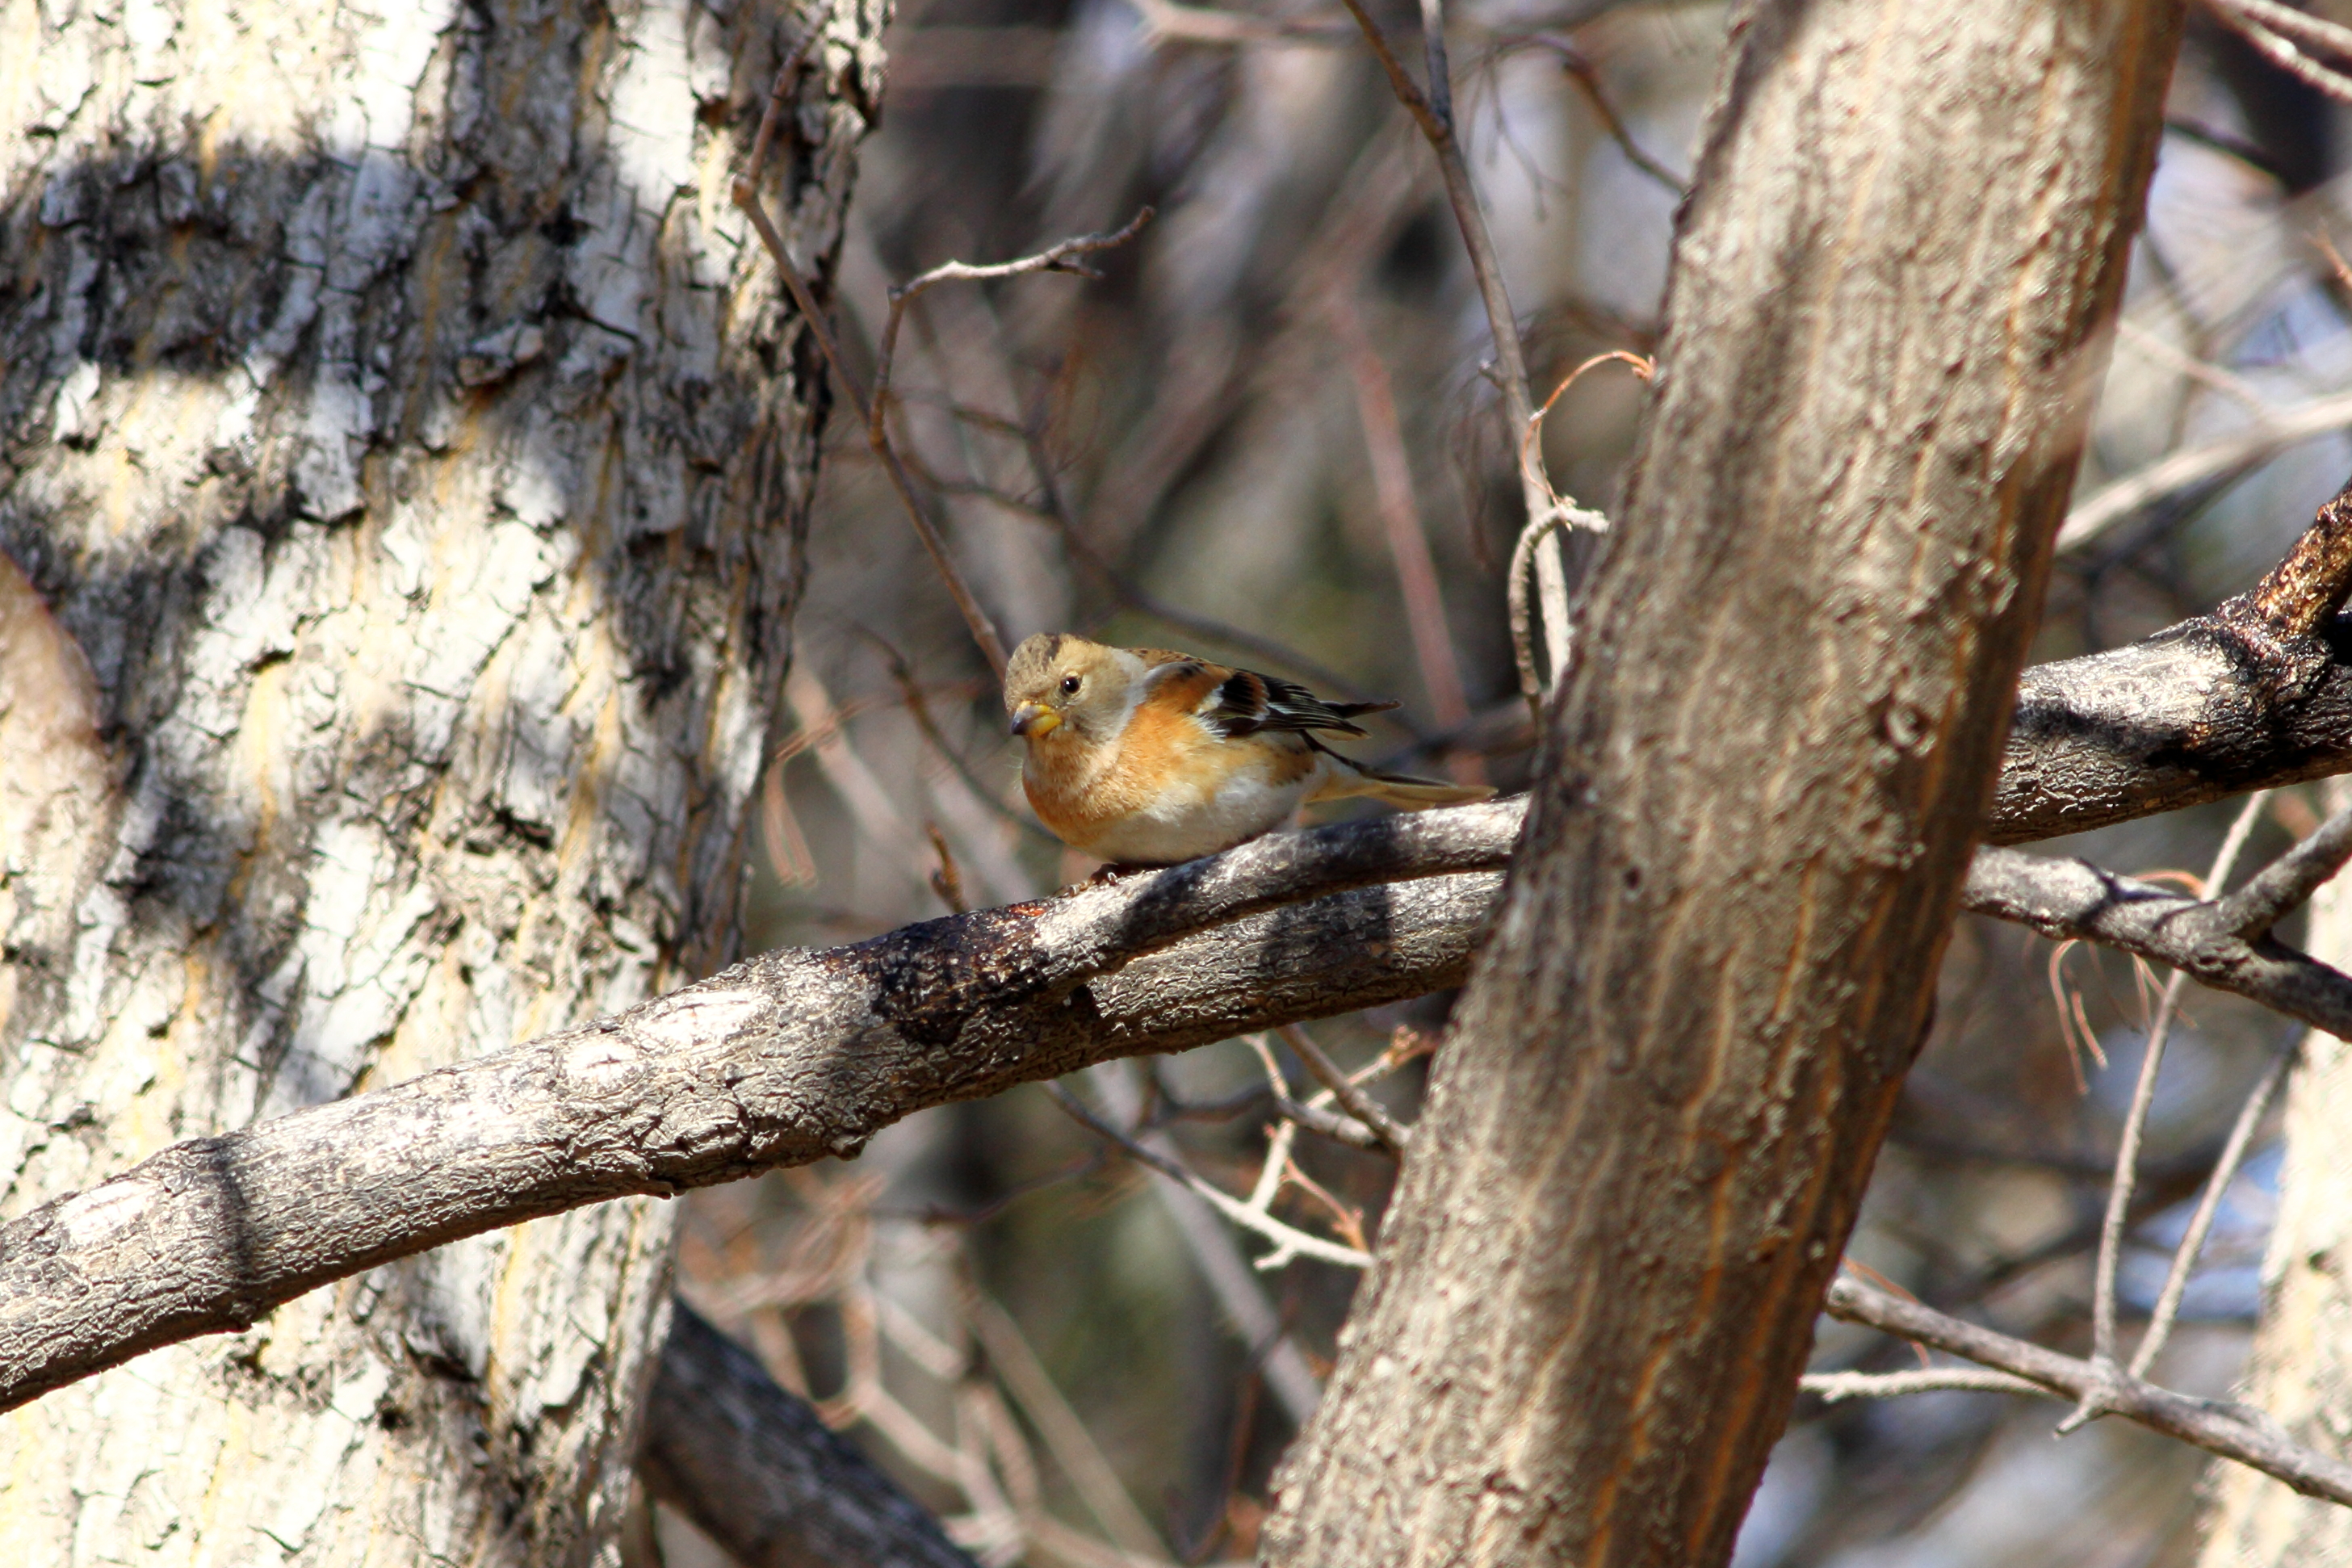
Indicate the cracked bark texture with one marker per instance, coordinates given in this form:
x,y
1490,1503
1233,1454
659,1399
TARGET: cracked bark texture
x,y
2301,1369
403,463
1645,1142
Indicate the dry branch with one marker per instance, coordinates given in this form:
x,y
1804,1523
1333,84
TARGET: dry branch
x,y
780,1060
2234,1431
798,1053
753,1467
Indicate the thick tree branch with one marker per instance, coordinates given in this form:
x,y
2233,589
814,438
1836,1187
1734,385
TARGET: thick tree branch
x,y
795,1055
777,1062
2257,693
753,1467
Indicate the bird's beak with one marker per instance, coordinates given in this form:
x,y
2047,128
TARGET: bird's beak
x,y
1032,720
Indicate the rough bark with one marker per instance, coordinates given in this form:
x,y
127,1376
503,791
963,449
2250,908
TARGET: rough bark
x,y
1303,961
1647,1138
752,1465
2257,693
2301,1369
402,461
781,1060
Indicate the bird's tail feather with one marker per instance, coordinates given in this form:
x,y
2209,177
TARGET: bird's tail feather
x,y
1347,779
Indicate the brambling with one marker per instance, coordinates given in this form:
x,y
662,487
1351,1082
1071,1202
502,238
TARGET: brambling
x,y
1144,757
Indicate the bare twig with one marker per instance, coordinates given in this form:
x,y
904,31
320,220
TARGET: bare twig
x,y
1066,1437
1416,568
2075,898
983,631
1836,1386
2119,1191
2234,1431
2118,503
1361,1106
2301,26
874,413
2286,882
1579,68
1432,112
1288,1239
2281,34
2208,1205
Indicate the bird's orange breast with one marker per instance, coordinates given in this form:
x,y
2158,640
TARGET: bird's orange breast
x,y
1164,763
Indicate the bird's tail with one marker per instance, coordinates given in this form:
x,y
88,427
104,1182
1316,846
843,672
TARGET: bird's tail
x,y
1344,778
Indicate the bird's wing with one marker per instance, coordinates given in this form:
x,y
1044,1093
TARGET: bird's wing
x,y
1237,703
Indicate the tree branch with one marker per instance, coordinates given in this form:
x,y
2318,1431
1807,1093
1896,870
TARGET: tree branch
x,y
755,1469
799,1054
2255,694
777,1062
2234,1431
2075,899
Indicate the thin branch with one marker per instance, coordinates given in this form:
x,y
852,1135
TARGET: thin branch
x,y
2301,26
1579,70
1432,112
983,631
875,413
2119,1191
753,1466
1288,1239
2282,52
2285,884
1401,520
2234,1431
1393,1136
1836,1386
2208,1205
2075,898
2118,503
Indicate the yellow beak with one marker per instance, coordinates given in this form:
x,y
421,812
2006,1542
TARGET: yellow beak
x,y
1031,720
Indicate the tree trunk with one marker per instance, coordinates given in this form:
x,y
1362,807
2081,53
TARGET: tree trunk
x,y
404,459
2301,1371
1645,1144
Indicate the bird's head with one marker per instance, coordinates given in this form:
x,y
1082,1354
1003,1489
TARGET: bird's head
x,y
1060,685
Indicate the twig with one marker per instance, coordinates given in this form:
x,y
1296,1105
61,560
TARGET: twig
x,y
2075,898
1836,1386
2119,1191
1432,112
1066,1437
2255,19
1132,595
2118,503
2208,1205
2234,1431
1288,1239
2286,882
2301,26
874,413
1392,1134
983,631
946,880
1408,541
1579,68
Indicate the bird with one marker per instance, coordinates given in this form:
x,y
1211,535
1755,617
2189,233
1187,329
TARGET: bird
x,y
1143,757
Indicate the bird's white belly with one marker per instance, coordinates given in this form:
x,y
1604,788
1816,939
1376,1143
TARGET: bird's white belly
x,y
1187,825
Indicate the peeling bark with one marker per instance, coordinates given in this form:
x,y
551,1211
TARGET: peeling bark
x,y
403,460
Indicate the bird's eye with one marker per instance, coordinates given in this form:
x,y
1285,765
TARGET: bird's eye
x,y
1070,686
